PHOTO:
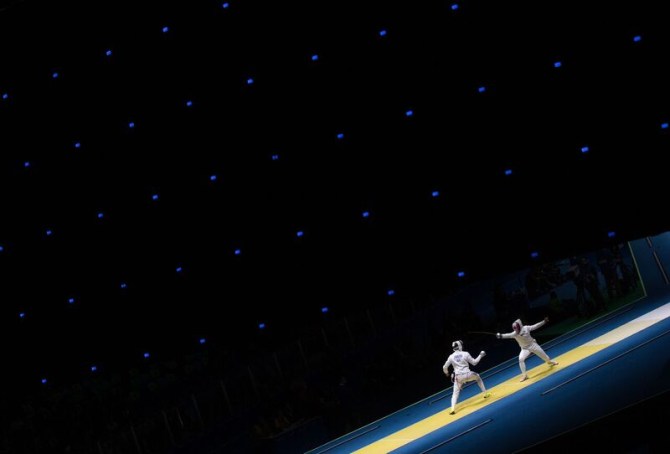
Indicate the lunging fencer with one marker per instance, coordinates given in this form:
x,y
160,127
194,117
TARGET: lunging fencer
x,y
460,360
521,333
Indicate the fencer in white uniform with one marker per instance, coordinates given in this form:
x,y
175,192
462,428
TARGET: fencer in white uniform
x,y
461,360
521,333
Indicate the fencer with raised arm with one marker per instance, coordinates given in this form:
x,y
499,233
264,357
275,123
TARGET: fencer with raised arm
x,y
460,361
521,333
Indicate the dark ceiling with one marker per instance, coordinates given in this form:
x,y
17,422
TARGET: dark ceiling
x,y
285,157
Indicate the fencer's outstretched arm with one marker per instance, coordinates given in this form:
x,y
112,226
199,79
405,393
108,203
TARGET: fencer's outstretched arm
x,y
539,324
475,361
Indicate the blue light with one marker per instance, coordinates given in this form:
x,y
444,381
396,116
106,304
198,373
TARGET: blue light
x,y
166,29
461,274
324,310
315,57
435,193
146,355
250,81
454,6
409,113
365,214
637,38
101,215
508,171
261,326
123,285
131,124
202,340
225,5
390,292
49,232
26,164
212,178
664,125
94,368
77,144
154,197
481,89
340,136
238,251
43,381
382,32
22,315
299,233
534,254
611,234
557,64
179,269
275,157
585,149
70,300
189,103
2,248
108,53
5,95
54,75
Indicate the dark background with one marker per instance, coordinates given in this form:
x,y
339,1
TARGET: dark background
x,y
281,169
